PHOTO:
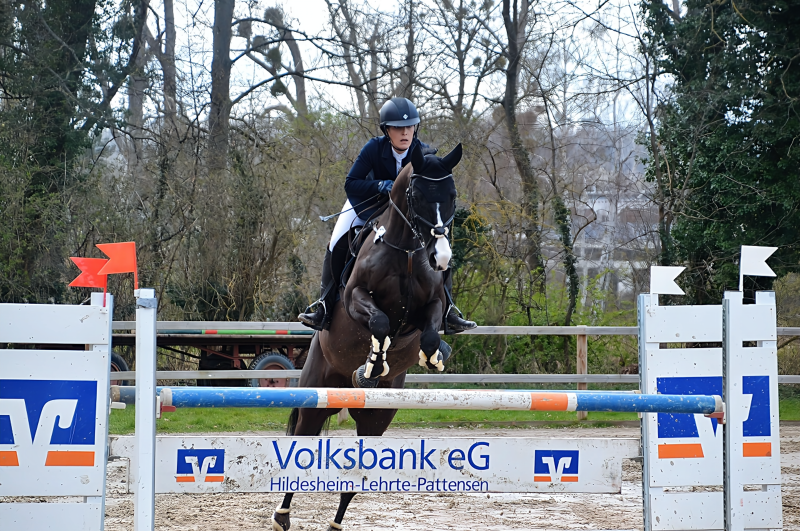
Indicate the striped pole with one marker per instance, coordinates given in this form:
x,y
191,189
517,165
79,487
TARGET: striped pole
x,y
436,399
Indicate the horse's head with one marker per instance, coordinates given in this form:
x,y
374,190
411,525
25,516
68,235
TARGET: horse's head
x,y
431,198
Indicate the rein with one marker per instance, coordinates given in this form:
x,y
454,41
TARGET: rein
x,y
410,253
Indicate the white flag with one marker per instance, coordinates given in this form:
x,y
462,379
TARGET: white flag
x,y
662,280
753,262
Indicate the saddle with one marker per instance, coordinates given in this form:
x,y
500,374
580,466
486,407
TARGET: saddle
x,y
345,253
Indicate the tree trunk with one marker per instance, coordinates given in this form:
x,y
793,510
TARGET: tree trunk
x,y
219,113
404,88
137,85
515,25
300,103
167,60
561,217
347,43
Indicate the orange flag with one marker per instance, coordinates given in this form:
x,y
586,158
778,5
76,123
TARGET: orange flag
x,y
90,276
121,259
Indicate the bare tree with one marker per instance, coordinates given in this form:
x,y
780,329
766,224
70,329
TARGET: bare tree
x,y
271,58
405,87
360,53
460,65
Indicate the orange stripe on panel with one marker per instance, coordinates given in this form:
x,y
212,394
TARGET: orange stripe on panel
x,y
569,479
679,451
215,479
69,459
9,459
184,479
346,398
756,449
549,401
541,478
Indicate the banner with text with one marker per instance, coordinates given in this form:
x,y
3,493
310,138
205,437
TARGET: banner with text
x,y
385,464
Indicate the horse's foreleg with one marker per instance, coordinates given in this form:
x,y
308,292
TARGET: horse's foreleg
x,y
431,355
364,311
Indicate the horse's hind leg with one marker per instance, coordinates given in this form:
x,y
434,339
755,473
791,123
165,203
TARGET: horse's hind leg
x,y
306,421
344,501
309,422
369,422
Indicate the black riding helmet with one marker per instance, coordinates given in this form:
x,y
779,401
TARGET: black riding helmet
x,y
398,112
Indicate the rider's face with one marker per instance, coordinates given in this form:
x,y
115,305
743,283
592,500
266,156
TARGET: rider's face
x,y
400,137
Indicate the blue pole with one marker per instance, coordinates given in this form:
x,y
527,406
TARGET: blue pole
x,y
647,403
242,397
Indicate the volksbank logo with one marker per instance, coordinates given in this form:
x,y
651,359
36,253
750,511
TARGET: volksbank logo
x,y
47,422
555,466
200,466
684,437
684,429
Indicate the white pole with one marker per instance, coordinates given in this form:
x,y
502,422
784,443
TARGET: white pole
x,y
97,300
144,493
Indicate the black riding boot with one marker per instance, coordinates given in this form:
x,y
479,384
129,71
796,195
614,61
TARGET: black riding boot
x,y
318,313
453,321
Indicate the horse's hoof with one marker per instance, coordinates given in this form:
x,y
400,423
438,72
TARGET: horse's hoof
x,y
445,349
333,526
361,381
437,359
280,520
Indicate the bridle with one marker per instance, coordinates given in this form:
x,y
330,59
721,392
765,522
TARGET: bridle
x,y
437,230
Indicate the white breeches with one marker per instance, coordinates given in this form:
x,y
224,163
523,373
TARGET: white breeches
x,y
343,224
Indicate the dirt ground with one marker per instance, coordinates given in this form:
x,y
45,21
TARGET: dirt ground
x,y
442,511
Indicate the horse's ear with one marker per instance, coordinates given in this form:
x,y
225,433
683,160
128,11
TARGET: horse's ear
x,y
417,159
452,159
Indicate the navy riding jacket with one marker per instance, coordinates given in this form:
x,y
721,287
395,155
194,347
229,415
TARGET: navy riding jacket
x,y
375,163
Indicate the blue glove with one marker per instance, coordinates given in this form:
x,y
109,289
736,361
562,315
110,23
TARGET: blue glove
x,y
384,187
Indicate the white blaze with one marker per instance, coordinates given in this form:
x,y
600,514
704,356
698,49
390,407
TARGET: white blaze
x,y
442,252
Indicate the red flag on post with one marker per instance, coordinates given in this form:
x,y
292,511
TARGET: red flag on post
x,y
90,276
121,259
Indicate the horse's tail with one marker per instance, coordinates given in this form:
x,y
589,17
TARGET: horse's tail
x,y
292,424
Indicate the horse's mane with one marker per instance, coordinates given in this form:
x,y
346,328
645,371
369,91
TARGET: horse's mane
x,y
402,182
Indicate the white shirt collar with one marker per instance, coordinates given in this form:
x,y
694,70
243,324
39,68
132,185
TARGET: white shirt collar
x,y
398,157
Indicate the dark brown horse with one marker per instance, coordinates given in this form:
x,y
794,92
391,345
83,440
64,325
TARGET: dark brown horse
x,y
391,308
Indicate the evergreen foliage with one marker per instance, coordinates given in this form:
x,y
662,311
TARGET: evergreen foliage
x,y
730,134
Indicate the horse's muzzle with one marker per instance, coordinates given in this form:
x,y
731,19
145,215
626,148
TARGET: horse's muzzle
x,y
440,259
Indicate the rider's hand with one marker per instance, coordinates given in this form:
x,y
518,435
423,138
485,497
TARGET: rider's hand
x,y
384,187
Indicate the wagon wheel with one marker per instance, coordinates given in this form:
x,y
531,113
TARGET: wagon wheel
x,y
118,364
272,361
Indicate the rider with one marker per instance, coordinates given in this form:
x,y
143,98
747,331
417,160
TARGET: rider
x,y
371,177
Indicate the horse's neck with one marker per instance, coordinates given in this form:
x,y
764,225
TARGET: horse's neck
x,y
398,232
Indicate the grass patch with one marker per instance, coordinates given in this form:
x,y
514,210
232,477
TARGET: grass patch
x,y
789,408
196,420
